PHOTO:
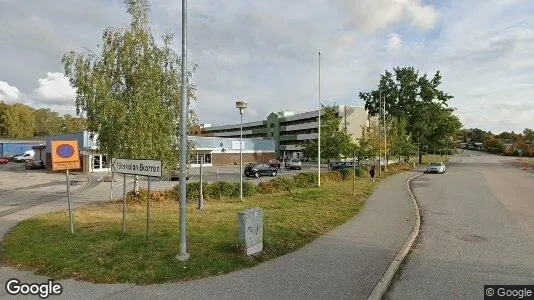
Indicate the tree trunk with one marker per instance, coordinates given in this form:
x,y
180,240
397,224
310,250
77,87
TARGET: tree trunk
x,y
420,157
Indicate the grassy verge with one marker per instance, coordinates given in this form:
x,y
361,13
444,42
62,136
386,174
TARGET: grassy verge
x,y
98,252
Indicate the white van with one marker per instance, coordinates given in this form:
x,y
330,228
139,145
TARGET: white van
x,y
24,157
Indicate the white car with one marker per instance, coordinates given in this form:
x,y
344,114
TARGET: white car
x,y
28,155
436,167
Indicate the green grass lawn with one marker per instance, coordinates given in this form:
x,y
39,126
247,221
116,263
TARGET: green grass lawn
x,y
98,251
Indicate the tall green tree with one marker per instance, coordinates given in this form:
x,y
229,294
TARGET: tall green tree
x,y
401,143
71,124
335,142
418,98
130,91
18,121
47,122
528,133
368,145
3,111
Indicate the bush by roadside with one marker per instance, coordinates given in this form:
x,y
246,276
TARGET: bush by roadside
x,y
222,189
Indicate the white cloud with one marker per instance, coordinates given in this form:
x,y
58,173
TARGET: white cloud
x,y
8,93
394,42
373,15
55,89
266,51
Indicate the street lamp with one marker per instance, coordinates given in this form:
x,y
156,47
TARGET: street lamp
x,y
183,255
241,105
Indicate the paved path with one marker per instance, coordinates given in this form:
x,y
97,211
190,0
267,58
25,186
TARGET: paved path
x,y
346,263
478,228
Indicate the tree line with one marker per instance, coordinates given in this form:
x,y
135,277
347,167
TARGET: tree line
x,y
417,118
496,143
20,121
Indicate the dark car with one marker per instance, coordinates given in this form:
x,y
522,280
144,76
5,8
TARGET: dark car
x,y
258,170
274,163
335,165
3,160
342,165
35,165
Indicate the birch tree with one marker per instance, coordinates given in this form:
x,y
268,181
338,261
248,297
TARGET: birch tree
x,y
129,91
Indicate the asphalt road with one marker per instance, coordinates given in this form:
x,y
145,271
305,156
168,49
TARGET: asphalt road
x,y
478,228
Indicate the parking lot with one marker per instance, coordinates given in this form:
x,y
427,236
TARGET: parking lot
x,y
22,189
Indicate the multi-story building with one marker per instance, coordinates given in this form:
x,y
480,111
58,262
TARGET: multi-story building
x,y
290,131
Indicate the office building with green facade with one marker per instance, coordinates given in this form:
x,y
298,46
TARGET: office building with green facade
x,y
290,131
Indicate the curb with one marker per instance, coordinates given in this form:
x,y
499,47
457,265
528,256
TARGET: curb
x,y
382,285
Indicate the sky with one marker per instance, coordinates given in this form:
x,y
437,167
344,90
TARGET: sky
x,y
266,52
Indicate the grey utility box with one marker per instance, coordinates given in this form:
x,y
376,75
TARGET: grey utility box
x,y
251,230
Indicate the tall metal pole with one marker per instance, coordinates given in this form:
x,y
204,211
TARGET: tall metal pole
x,y
241,156
385,136
71,223
183,255
353,173
148,213
319,129
201,194
124,203
379,136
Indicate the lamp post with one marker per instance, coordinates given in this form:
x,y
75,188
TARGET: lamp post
x,y
241,105
319,129
183,255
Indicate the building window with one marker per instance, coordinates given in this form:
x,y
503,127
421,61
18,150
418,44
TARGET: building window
x,y
196,159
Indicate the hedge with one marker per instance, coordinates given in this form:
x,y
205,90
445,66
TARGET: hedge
x,y
223,189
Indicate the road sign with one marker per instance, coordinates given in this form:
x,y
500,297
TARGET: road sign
x,y
142,167
65,155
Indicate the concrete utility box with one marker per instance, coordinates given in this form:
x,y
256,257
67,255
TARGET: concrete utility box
x,y
251,230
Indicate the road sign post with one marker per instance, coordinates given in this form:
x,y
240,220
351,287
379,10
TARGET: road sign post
x,y
123,203
65,156
71,223
142,167
148,212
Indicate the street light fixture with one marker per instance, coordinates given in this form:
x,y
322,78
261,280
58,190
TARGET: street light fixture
x,y
241,105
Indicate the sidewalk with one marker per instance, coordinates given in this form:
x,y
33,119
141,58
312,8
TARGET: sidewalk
x,y
346,263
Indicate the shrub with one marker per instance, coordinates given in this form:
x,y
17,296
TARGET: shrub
x,y
346,173
193,190
266,187
284,183
360,172
304,180
155,196
333,176
224,189
249,189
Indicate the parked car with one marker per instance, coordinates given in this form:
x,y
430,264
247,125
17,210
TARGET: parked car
x,y
174,175
33,164
3,160
293,165
24,157
342,165
436,167
274,163
257,170
335,165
